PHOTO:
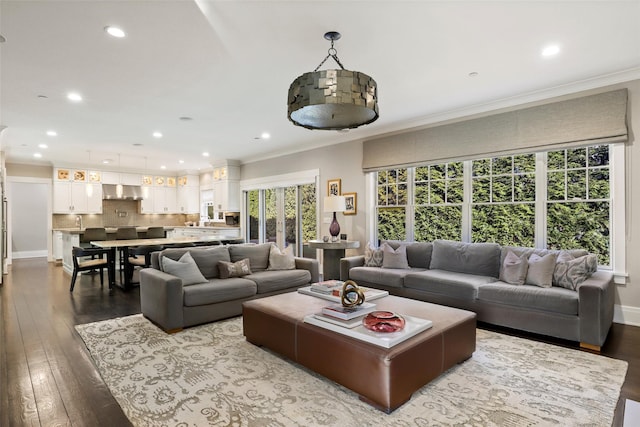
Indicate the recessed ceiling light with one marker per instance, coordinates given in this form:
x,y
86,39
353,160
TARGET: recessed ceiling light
x,y
2,39
551,50
43,146
74,96
265,135
43,96
185,118
473,74
163,167
37,155
115,31
181,161
52,133
205,154
157,134
137,144
106,161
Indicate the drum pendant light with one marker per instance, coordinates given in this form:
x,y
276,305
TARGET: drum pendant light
x,y
333,99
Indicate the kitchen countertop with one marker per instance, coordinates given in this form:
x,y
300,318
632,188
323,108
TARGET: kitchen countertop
x,y
76,230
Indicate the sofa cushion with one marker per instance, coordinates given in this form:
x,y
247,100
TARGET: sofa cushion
x,y
514,269
418,253
258,254
520,250
268,281
185,268
482,259
453,284
394,258
372,256
281,260
205,258
556,300
234,269
570,271
388,277
540,272
218,290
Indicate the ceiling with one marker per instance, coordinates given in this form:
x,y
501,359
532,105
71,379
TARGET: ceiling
x,y
228,65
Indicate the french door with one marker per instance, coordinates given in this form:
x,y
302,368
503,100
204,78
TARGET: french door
x,y
283,215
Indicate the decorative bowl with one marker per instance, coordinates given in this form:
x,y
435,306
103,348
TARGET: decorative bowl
x,y
383,321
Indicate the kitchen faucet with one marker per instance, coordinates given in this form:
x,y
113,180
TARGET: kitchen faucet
x,y
79,222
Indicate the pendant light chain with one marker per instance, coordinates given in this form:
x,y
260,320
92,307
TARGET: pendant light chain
x,y
332,53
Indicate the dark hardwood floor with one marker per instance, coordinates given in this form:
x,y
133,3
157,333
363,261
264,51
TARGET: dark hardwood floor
x,y
47,377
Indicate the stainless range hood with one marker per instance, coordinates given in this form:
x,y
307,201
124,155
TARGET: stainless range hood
x,y
129,192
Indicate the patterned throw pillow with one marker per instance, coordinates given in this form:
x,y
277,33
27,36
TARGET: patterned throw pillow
x,y
372,256
394,258
281,260
541,268
570,272
185,268
514,269
234,269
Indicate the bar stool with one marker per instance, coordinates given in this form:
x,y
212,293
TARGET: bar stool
x,y
124,233
155,233
92,234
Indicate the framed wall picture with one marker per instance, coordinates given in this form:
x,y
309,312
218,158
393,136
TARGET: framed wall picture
x,y
351,201
334,187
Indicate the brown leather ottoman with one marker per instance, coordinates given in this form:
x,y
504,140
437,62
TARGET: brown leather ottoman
x,y
384,378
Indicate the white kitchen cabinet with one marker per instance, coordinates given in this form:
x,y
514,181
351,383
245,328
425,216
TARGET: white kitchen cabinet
x,y
188,199
146,204
57,246
77,197
165,200
226,196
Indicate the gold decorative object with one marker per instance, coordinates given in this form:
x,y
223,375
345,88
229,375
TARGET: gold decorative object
x,y
147,180
171,181
352,295
160,180
94,176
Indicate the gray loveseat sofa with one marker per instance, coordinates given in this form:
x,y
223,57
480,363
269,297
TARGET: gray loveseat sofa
x,y
467,276
166,301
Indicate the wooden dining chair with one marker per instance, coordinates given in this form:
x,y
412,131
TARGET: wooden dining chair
x,y
139,256
99,261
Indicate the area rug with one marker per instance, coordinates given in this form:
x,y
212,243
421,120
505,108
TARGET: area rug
x,y
210,376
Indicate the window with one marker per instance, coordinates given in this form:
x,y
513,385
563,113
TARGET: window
x,y
504,193
560,199
438,198
578,200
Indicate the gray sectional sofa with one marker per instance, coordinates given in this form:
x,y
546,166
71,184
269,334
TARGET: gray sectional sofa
x,y
194,297
468,276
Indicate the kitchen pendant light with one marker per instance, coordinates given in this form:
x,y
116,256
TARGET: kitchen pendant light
x,y
119,187
333,99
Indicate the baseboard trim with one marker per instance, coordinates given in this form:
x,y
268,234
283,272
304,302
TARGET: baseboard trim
x,y
626,315
30,254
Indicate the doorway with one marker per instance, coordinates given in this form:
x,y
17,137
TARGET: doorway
x,y
29,218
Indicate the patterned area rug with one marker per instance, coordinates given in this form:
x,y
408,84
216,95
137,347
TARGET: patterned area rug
x,y
210,376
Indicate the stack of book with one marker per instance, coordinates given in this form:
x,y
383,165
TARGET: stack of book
x,y
348,317
328,287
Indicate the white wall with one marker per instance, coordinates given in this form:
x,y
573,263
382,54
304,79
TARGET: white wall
x,y
345,161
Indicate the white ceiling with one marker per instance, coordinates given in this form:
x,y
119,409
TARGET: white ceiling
x,y
228,66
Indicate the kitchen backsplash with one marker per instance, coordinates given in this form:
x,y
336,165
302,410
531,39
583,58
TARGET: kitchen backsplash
x,y
117,213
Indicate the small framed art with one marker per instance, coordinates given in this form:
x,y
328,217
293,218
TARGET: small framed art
x,y
351,201
334,187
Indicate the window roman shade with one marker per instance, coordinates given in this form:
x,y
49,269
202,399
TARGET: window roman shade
x,y
594,119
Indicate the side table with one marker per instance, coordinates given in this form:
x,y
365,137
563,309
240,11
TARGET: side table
x,y
333,252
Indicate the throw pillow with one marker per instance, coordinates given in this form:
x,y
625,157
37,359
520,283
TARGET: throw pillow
x,y
234,269
514,269
394,258
570,272
540,272
372,257
185,268
281,260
